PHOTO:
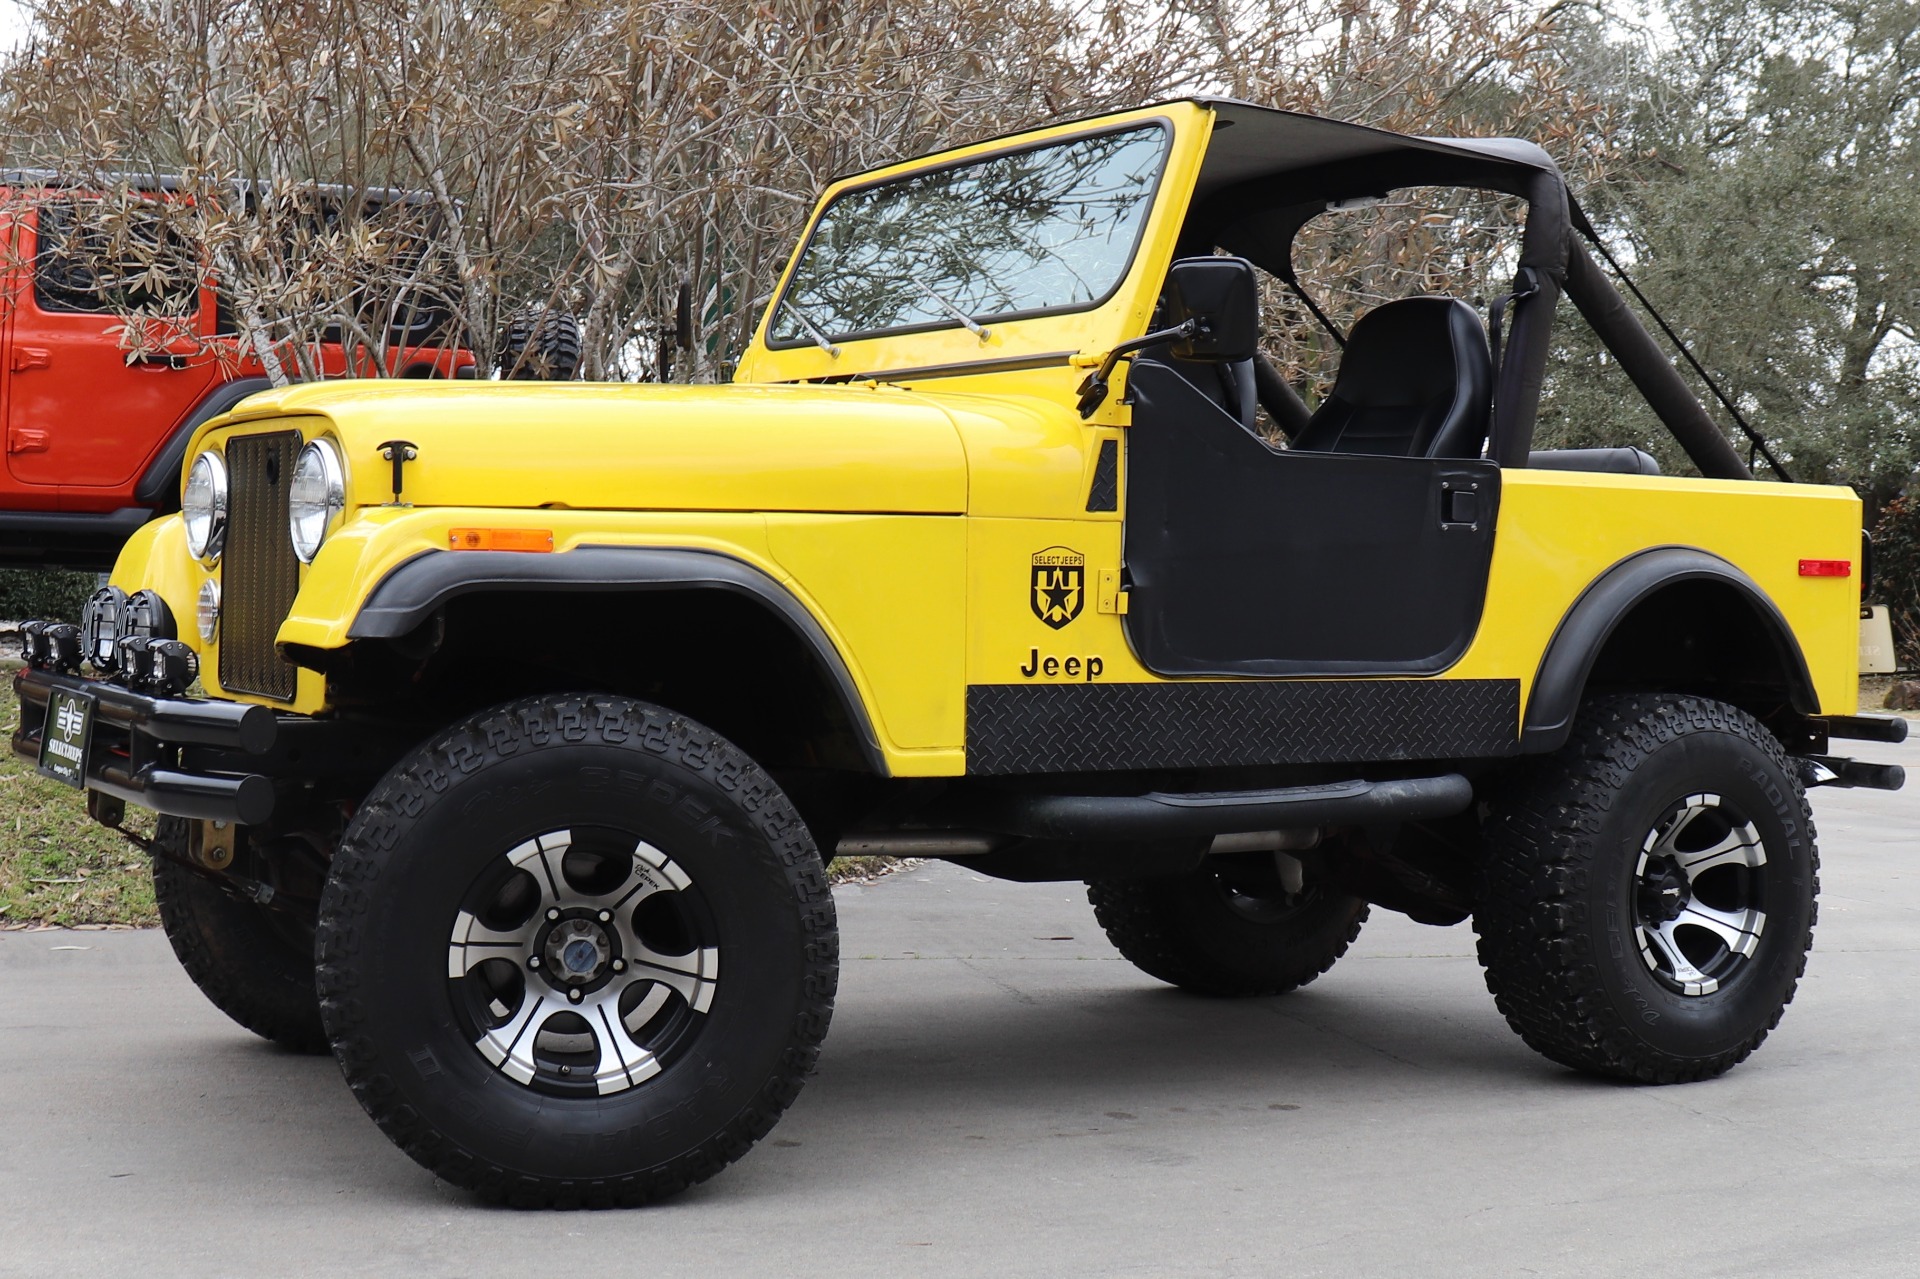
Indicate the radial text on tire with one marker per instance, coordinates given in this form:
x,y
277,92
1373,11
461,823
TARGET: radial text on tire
x,y
577,951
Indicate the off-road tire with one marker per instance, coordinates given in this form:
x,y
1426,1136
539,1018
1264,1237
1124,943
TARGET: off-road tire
x,y
540,344
248,968
1556,919
548,763
1187,932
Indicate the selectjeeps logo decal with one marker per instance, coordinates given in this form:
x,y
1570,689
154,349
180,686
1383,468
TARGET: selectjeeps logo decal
x,y
1059,585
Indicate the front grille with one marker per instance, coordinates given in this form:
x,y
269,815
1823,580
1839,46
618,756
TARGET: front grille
x,y
259,574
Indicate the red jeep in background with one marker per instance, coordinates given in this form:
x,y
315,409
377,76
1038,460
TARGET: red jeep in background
x,y
95,433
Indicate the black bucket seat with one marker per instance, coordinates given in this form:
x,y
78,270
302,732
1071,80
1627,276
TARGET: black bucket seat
x,y
1415,380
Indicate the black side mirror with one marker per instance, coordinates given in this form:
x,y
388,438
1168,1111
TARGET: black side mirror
x,y
1222,299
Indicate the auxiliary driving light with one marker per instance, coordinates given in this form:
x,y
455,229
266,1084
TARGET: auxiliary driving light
x,y
164,667
147,614
100,628
51,646
63,647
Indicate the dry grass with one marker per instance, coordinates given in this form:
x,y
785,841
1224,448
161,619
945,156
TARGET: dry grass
x,y
58,867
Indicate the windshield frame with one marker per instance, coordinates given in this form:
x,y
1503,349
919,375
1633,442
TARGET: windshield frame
x,y
1163,124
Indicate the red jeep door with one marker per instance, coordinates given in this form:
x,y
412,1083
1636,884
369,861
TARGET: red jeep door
x,y
79,415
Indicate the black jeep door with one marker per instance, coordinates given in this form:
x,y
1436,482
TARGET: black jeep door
x,y
1249,560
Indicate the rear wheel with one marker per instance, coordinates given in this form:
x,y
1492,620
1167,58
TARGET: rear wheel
x,y
1236,926
579,951
253,963
1650,891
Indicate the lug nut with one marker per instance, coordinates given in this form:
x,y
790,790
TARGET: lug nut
x,y
619,965
553,912
533,961
575,995
606,916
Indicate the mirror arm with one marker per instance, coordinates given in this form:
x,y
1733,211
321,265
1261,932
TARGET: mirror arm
x,y
1093,391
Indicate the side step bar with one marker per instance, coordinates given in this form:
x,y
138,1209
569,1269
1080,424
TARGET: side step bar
x,y
1160,815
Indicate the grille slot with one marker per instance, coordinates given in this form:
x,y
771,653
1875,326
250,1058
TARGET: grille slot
x,y
259,574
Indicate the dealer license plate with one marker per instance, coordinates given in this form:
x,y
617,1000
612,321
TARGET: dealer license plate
x,y
63,744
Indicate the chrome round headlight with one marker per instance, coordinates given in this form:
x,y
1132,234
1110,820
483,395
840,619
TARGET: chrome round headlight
x,y
204,506
316,498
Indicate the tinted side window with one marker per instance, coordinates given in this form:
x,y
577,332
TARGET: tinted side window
x,y
93,259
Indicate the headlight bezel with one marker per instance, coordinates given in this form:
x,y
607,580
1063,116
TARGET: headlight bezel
x,y
213,536
323,456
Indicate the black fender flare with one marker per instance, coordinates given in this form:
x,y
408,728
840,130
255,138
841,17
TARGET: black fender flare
x,y
160,483
1562,677
412,592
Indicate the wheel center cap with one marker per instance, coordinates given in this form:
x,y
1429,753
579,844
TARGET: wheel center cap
x,y
577,951
1663,894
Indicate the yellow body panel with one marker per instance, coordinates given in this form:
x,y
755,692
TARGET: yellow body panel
x,y
906,514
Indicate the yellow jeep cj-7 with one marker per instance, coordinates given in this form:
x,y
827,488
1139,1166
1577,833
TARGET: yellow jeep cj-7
x,y
532,710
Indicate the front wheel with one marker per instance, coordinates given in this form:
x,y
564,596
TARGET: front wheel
x,y
1649,894
577,951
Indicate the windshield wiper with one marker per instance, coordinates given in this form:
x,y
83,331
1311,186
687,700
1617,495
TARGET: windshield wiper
x,y
973,325
820,339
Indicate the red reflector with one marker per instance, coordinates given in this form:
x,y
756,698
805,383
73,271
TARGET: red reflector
x,y
500,539
1826,568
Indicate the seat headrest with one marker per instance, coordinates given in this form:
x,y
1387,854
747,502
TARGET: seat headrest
x,y
1409,351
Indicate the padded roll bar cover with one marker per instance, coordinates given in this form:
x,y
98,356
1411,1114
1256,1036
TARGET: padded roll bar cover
x,y
1523,369
1562,678
1620,461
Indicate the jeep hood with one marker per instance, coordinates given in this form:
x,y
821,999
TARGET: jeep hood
x,y
638,447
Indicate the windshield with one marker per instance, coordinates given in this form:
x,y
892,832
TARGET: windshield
x,y
1047,229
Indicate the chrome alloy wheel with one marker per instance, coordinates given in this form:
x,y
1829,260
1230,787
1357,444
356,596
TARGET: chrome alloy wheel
x,y
583,962
1698,893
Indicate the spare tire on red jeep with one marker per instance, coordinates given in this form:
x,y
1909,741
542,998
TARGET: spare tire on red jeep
x,y
539,344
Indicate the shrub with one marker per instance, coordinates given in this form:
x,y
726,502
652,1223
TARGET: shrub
x,y
44,592
1896,575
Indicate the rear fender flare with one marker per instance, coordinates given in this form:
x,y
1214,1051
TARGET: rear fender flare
x,y
410,594
1561,680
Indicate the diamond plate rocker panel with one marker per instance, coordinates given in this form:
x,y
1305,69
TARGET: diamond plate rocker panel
x,y
1074,728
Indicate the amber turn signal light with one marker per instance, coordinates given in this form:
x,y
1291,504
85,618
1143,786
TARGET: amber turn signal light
x,y
500,539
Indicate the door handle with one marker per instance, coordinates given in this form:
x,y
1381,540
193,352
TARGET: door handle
x,y
31,357
1460,505
158,360
22,440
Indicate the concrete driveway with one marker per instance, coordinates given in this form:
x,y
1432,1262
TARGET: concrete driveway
x,y
1002,1095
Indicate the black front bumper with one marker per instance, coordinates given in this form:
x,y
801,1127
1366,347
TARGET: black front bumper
x,y
179,756
200,758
